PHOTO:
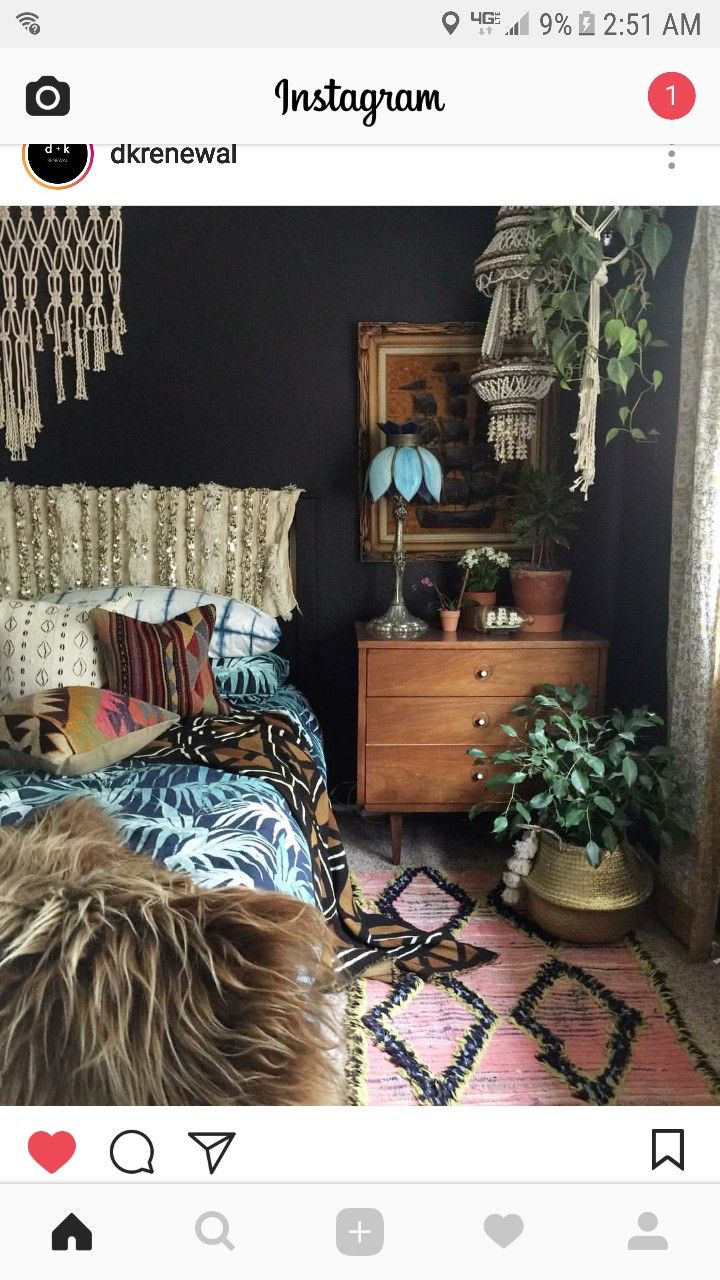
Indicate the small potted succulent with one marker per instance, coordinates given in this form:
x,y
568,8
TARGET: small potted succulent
x,y
544,515
484,566
578,790
448,606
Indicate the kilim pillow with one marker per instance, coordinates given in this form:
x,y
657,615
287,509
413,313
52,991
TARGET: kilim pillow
x,y
74,730
46,646
164,663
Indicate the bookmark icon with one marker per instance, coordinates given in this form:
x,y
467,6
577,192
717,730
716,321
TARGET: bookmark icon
x,y
215,1145
668,1147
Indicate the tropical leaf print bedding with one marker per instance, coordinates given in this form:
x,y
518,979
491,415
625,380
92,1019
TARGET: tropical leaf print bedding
x,y
221,829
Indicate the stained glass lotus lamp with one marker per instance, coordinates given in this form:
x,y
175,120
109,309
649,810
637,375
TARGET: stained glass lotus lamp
x,y
403,471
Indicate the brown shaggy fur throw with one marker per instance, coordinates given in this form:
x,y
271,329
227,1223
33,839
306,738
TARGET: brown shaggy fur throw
x,y
124,984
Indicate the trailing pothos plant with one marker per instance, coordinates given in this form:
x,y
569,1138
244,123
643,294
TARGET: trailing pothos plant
x,y
591,780
620,249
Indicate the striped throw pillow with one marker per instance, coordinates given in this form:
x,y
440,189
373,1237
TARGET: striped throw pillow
x,y
165,664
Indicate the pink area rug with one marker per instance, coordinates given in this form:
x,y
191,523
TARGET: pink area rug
x,y
547,1023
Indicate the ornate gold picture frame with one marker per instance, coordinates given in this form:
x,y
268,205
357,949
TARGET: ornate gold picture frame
x,y
421,372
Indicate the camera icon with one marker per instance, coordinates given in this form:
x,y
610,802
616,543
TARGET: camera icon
x,y
47,97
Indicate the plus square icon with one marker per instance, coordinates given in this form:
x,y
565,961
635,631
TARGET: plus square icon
x,y
359,1233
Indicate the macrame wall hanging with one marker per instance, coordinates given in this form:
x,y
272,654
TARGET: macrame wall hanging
x,y
513,375
59,281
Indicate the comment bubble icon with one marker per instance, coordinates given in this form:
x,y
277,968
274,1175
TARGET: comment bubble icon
x,y
132,1152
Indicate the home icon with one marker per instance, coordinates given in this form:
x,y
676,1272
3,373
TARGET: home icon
x,y
71,1228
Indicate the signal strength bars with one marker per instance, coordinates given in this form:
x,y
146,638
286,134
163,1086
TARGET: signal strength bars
x,y
521,27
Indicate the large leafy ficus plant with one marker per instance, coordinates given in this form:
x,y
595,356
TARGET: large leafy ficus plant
x,y
620,248
591,780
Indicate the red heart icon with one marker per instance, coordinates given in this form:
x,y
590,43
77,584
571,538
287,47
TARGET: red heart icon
x,y
51,1150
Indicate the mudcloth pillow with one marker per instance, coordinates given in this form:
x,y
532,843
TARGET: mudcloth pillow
x,y
46,646
165,664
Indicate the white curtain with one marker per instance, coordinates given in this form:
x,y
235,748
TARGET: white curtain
x,y
695,560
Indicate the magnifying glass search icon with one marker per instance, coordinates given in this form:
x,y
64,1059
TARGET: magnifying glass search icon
x,y
214,1228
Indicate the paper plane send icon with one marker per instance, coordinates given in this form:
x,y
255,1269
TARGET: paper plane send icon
x,y
214,1145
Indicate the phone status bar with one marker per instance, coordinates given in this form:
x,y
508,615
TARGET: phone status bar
x,y
322,24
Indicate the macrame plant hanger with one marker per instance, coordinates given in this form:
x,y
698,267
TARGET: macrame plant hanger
x,y
584,433
70,263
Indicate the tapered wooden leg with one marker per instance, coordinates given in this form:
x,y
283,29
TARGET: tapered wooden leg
x,y
396,825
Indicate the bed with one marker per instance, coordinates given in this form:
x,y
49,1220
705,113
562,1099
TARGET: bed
x,y
219,828
233,800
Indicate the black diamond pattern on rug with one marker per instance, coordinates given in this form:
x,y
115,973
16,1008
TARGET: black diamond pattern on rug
x,y
602,1087
387,902
432,1090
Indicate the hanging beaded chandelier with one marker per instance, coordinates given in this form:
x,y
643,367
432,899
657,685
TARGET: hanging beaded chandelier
x,y
59,277
510,381
506,273
513,389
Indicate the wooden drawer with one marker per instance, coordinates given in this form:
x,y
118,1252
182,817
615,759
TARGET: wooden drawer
x,y
425,777
514,671
441,721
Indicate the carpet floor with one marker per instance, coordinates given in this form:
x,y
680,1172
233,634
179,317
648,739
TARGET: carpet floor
x,y
546,1023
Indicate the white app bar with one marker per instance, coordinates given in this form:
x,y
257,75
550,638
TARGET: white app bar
x,y
356,97
298,1144
333,1231
316,175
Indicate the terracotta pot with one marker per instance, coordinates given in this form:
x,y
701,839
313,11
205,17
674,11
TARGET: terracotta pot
x,y
480,597
576,902
449,619
472,606
541,594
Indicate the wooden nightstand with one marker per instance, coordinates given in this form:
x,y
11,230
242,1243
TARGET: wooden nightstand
x,y
422,703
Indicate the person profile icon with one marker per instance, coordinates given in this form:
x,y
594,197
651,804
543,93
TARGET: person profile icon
x,y
647,1223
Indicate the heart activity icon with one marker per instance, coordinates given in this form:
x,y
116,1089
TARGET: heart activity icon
x,y
51,1150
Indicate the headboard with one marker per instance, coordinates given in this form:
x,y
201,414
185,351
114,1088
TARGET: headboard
x,y
232,541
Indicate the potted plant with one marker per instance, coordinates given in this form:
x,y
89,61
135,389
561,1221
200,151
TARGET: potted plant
x,y
544,515
448,606
594,267
484,566
581,788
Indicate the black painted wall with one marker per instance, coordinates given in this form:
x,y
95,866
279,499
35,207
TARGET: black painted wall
x,y
240,367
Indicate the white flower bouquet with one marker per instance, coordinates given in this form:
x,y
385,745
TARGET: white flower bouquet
x,y
484,566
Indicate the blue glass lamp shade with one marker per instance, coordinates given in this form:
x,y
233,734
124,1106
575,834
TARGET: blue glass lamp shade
x,y
403,468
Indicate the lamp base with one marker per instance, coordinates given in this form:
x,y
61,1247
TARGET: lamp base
x,y
397,624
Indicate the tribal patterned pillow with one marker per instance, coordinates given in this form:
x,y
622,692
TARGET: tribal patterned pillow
x,y
165,664
74,730
46,646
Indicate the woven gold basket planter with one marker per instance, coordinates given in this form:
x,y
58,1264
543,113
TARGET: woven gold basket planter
x,y
579,903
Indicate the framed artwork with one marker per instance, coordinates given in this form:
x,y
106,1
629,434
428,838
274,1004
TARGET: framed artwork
x,y
421,372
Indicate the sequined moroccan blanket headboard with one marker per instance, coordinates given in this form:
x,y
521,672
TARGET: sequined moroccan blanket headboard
x,y
232,541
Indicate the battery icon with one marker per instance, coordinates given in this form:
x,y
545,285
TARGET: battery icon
x,y
586,23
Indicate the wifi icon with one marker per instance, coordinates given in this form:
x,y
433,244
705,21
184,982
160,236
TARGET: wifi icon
x,y
30,22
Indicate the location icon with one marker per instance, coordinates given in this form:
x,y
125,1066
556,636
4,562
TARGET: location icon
x,y
451,21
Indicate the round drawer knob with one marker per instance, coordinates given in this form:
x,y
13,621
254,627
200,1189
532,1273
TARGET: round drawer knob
x,y
480,722
478,777
482,673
